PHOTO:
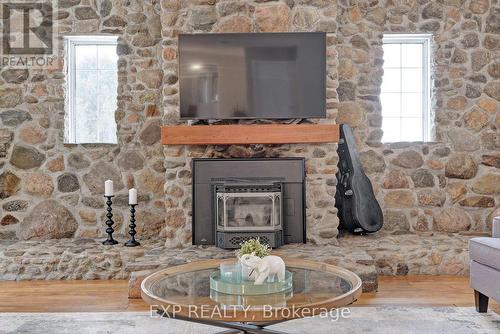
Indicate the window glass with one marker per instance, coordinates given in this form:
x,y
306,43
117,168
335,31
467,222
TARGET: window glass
x,y
405,89
91,89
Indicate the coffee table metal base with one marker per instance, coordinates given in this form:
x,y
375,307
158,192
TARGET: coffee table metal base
x,y
234,327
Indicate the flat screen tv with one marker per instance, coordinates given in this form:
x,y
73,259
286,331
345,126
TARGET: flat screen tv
x,y
252,75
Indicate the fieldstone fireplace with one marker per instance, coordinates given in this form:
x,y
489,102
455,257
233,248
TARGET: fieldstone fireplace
x,y
238,199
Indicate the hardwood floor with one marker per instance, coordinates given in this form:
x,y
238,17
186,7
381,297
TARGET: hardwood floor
x,y
107,296
422,291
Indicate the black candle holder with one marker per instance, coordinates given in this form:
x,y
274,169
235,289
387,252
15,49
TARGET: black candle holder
x,y
109,223
132,242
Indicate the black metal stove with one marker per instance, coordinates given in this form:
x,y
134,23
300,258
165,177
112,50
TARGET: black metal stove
x,y
243,211
238,199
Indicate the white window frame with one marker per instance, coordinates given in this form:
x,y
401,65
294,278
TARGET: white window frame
x,y
425,40
70,42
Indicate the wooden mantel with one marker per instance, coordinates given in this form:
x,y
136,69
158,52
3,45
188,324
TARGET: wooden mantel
x,y
249,134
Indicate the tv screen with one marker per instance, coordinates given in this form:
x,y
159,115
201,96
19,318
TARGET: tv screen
x,y
245,75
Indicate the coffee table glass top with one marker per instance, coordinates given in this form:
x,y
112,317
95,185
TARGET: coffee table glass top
x,y
308,286
314,284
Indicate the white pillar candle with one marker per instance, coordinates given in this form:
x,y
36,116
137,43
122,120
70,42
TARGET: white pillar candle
x,y
108,188
132,196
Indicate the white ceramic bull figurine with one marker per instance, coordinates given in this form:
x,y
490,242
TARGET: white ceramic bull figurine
x,y
262,268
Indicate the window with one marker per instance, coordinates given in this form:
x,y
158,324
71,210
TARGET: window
x,y
405,90
91,94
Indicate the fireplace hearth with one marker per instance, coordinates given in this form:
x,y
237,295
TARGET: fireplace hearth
x,y
238,199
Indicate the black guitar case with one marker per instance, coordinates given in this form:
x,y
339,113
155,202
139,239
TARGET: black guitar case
x,y
359,211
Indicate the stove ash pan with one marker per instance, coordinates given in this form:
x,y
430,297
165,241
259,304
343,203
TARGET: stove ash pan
x,y
238,199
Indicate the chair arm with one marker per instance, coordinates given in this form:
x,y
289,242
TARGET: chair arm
x,y
496,227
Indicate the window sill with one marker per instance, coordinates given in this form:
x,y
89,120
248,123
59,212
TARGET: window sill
x,y
403,144
90,145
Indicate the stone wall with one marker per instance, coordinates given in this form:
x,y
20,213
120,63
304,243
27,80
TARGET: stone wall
x,y
49,189
452,184
52,190
249,16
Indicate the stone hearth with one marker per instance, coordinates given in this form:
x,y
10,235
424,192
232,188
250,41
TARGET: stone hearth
x,y
369,256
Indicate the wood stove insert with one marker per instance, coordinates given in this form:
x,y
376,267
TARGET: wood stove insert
x,y
238,199
243,211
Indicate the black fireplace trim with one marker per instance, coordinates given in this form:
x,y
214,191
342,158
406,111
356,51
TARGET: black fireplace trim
x,y
304,206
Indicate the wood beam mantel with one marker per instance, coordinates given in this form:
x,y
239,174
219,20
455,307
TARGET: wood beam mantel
x,y
249,134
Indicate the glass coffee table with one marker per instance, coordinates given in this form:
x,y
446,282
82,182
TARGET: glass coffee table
x,y
183,292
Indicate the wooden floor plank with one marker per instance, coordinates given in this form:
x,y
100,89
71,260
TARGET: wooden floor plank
x,y
111,296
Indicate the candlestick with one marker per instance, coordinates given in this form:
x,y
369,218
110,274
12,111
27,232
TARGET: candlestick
x,y
108,188
132,242
109,222
132,196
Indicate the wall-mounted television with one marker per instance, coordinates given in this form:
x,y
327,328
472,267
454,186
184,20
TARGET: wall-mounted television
x,y
252,75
